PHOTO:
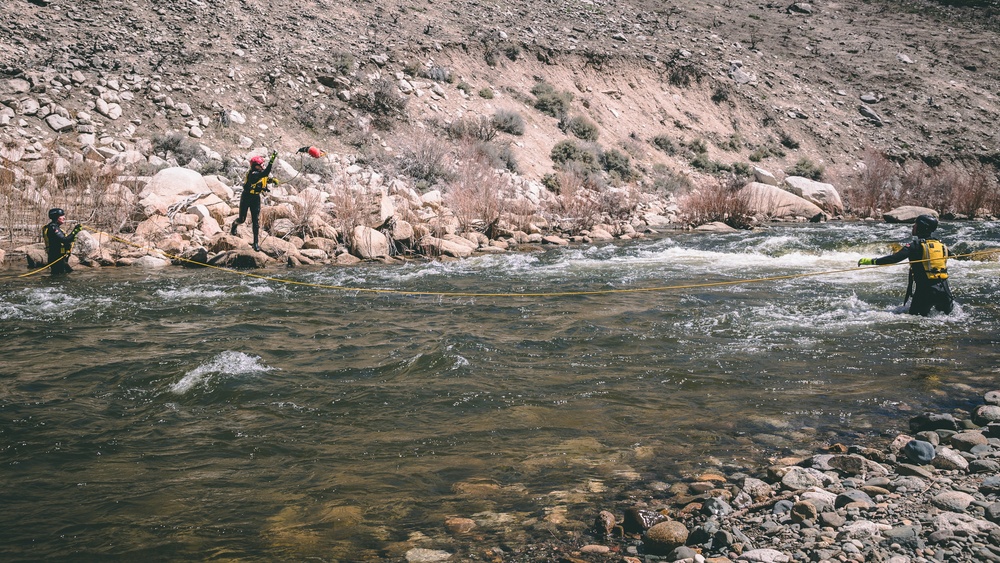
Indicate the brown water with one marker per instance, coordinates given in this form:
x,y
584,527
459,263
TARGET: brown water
x,y
176,414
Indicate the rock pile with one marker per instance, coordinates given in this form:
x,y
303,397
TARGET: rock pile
x,y
932,495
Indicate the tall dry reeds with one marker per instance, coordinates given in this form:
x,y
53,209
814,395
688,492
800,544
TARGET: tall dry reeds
x,y
352,206
94,196
19,209
89,193
878,188
977,194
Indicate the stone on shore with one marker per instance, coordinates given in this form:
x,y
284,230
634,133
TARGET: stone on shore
x,y
664,537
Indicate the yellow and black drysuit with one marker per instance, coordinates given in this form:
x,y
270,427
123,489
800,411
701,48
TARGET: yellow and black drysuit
x,y
58,246
928,275
254,185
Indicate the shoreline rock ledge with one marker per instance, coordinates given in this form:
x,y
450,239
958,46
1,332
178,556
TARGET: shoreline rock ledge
x,y
931,495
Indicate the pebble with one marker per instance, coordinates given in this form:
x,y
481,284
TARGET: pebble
x,y
919,500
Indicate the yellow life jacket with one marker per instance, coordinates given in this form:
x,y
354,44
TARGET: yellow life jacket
x,y
935,259
49,243
259,186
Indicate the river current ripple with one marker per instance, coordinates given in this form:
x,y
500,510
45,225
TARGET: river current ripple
x,y
197,414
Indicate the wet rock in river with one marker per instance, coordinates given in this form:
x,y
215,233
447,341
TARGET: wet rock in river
x,y
856,504
605,523
933,421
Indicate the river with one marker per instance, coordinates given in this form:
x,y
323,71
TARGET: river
x,y
200,414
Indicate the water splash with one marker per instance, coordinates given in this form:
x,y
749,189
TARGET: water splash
x,y
190,294
227,363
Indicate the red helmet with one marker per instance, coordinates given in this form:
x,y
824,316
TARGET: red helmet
x,y
257,160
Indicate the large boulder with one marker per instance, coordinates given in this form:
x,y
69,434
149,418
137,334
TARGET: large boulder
x,y
764,177
825,196
776,203
168,187
433,246
153,229
368,243
220,187
907,214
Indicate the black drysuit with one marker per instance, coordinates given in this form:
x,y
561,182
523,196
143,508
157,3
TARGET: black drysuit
x,y
253,185
928,293
57,245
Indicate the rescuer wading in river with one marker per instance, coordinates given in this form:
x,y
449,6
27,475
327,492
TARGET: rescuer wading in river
x,y
928,268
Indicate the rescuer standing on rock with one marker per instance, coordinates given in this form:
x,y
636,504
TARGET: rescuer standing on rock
x,y
254,185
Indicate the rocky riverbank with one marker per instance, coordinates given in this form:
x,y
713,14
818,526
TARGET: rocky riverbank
x,y
931,494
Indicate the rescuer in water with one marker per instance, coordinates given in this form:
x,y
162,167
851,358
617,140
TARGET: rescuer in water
x,y
928,269
57,243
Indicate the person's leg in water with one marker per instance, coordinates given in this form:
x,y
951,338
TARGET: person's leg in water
x,y
943,300
921,303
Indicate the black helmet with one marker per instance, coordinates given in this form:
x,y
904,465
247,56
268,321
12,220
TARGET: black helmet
x,y
925,224
56,213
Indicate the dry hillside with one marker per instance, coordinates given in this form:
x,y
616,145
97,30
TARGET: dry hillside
x,y
771,83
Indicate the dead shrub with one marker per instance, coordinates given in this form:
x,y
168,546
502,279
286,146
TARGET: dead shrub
x,y
619,205
481,128
425,159
350,206
724,201
476,195
878,188
577,206
508,121
383,103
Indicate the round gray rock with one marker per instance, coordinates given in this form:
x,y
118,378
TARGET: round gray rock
x,y
919,451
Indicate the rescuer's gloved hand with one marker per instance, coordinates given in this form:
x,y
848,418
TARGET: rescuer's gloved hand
x,y
274,155
77,229
866,262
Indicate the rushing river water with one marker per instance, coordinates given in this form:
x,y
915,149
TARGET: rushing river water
x,y
199,414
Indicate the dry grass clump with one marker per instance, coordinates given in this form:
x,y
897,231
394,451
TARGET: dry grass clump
x,y
725,201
